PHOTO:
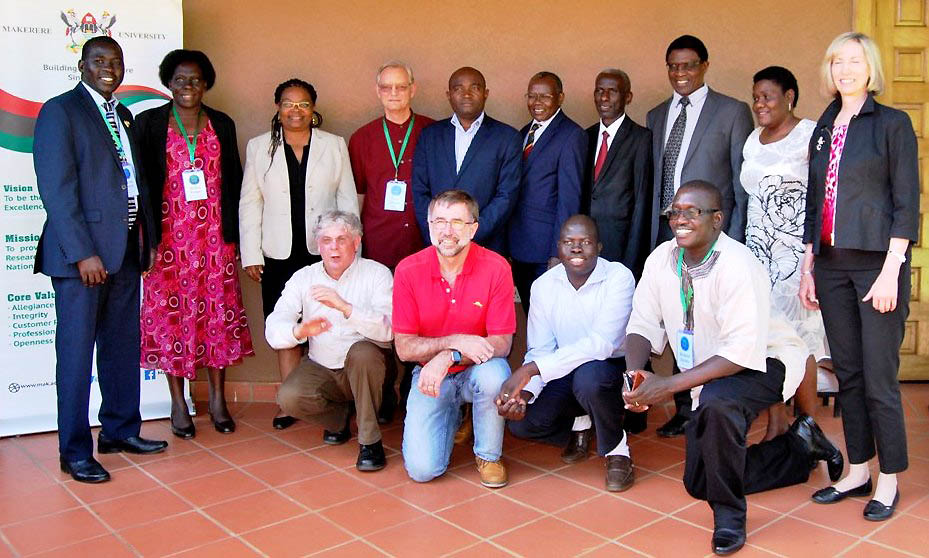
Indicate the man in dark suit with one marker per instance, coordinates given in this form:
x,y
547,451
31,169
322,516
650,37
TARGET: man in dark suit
x,y
550,189
697,134
472,152
94,243
617,190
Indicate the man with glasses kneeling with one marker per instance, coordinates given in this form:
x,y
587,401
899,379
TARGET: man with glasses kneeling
x,y
737,357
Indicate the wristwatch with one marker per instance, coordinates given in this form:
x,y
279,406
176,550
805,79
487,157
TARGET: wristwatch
x,y
456,357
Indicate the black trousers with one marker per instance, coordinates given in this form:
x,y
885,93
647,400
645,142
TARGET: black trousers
x,y
865,347
524,274
593,388
719,468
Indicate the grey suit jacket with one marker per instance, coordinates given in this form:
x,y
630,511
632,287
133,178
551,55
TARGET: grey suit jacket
x,y
714,155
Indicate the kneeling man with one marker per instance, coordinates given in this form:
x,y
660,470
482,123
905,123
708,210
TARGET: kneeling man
x,y
737,356
341,308
577,323
454,314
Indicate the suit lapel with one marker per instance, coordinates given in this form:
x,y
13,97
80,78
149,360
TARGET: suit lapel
x,y
479,138
546,138
93,112
662,126
615,146
125,116
710,105
312,158
447,147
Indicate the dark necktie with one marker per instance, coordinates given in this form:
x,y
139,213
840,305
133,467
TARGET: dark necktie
x,y
601,155
671,151
110,112
530,139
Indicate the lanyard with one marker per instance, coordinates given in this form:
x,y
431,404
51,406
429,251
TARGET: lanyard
x,y
687,296
390,145
191,145
114,133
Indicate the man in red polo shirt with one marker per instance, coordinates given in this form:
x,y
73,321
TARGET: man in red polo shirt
x,y
454,314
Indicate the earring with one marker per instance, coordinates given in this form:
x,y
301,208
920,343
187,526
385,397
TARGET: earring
x,y
315,120
788,106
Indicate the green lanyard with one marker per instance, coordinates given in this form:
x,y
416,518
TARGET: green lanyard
x,y
390,145
687,297
191,145
114,133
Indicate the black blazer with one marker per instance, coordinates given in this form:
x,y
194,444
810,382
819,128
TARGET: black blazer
x,y
878,189
153,135
620,201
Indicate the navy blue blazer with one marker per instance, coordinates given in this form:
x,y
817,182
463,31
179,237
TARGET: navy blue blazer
x,y
490,173
549,192
83,188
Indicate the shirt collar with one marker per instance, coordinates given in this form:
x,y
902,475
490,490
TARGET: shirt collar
x,y
547,121
348,270
614,127
696,97
474,125
97,97
469,262
596,276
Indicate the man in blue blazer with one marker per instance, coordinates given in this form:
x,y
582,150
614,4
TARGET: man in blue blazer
x,y
472,152
550,189
94,244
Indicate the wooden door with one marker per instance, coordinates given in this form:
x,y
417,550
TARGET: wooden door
x,y
901,29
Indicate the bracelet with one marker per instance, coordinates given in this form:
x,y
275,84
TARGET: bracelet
x,y
897,255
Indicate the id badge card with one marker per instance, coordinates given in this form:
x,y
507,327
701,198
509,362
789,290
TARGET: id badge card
x,y
129,174
194,184
395,195
685,349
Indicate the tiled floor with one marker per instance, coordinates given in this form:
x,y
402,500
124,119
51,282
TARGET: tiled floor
x,y
260,492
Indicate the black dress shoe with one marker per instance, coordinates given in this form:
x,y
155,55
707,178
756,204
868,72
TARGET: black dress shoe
x,y
132,444
619,473
224,426
818,445
876,511
340,437
674,427
280,423
830,495
579,446
726,540
385,415
186,432
85,470
371,457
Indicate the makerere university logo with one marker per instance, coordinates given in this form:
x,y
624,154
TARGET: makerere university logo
x,y
79,31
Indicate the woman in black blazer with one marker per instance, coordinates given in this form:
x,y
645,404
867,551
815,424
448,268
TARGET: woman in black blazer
x,y
862,214
192,312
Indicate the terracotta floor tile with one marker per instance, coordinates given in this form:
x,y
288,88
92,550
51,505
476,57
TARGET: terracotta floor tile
x,y
256,411
39,446
440,493
390,476
41,501
905,532
536,539
371,513
408,540
783,499
341,456
173,534
297,537
106,546
226,548
5,550
488,515
45,533
253,511
326,490
308,437
549,493
700,514
612,550
658,493
184,467
867,549
653,455
541,455
792,537
355,549
844,516
392,437
670,537
919,509
591,472
482,550
250,451
208,437
12,455
126,481
608,516
287,469
176,447
142,507
26,476
217,487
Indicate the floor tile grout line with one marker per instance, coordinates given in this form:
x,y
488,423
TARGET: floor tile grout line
x,y
9,545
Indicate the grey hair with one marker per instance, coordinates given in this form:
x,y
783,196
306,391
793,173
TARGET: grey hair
x,y
335,217
618,72
394,64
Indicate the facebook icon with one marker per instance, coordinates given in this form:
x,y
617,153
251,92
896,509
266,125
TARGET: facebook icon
x,y
151,374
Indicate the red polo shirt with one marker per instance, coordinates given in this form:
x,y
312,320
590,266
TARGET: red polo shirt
x,y
479,303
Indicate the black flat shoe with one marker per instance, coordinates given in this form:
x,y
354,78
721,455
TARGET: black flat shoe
x,y
224,426
280,423
186,432
85,470
830,495
818,445
726,541
674,427
132,444
876,511
337,438
371,457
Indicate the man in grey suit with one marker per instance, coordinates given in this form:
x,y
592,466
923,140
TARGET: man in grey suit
x,y
697,134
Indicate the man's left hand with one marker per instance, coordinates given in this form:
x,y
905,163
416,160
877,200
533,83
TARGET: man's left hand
x,y
512,388
653,389
330,298
433,372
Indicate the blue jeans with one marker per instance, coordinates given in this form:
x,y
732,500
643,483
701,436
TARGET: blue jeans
x,y
431,422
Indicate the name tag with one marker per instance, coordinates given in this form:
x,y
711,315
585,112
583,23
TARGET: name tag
x,y
194,184
685,349
395,195
131,185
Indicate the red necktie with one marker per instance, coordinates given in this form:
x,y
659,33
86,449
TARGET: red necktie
x,y
601,156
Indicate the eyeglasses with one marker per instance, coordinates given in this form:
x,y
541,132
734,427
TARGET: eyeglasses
x,y
585,243
544,97
181,82
302,105
684,66
393,87
457,224
689,213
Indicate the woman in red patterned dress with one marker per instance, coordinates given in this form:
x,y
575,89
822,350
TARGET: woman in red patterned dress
x,y
192,312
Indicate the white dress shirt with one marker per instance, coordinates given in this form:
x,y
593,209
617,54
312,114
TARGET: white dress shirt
x,y
697,100
463,138
611,132
366,285
123,135
569,327
543,125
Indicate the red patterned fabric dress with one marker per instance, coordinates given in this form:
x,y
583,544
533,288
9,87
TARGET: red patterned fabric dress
x,y
192,312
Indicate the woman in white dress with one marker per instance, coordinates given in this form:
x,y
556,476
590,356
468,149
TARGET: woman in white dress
x,y
775,174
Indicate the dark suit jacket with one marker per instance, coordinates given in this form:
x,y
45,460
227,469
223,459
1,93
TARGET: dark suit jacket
x,y
620,200
549,192
83,188
878,188
714,155
152,133
490,173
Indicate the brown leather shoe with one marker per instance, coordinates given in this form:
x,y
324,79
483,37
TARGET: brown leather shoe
x,y
493,473
579,446
619,473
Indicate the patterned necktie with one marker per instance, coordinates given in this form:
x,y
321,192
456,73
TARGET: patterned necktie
x,y
110,112
530,140
671,151
601,155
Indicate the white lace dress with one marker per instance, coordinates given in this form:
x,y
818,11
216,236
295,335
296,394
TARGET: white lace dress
x,y
775,177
